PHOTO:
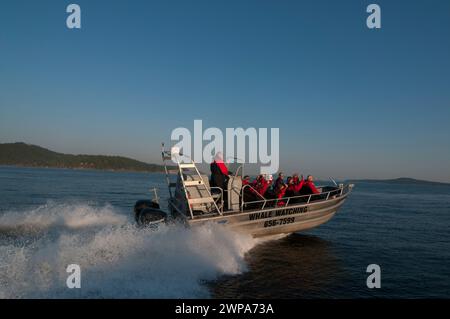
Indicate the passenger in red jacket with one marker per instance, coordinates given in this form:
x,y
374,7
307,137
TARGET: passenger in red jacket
x,y
309,187
246,180
290,191
280,189
218,159
250,192
261,185
219,172
298,184
264,186
256,181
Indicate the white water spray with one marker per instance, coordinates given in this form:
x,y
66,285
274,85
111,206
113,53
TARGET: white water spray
x,y
117,259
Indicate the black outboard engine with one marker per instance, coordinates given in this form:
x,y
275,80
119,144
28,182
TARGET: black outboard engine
x,y
148,213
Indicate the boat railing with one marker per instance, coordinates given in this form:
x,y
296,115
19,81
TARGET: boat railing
x,y
323,196
240,169
220,199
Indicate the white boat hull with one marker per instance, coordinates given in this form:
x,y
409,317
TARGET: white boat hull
x,y
273,221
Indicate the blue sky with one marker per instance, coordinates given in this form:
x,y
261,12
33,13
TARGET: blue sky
x,y
350,102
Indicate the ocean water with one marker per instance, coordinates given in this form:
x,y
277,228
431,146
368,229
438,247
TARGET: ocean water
x,y
50,218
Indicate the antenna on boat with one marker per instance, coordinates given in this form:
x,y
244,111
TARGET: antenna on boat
x,y
334,182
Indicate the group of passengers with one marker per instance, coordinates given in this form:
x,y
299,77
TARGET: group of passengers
x,y
264,186
292,186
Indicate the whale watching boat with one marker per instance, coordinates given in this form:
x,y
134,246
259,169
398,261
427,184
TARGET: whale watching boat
x,y
192,201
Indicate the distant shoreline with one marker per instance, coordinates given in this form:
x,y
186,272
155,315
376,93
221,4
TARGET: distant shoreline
x,y
32,156
81,169
22,155
401,180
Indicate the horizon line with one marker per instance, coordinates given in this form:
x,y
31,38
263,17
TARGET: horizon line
x,y
132,158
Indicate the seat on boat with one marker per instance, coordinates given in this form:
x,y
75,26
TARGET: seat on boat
x,y
234,192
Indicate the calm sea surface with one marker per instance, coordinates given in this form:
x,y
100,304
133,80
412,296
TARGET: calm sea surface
x,y
51,218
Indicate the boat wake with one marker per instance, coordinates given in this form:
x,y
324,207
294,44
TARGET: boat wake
x,y
117,259
54,217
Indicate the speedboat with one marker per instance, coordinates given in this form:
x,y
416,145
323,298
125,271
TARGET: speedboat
x,y
192,201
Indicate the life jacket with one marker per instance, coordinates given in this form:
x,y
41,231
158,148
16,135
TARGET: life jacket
x,y
280,192
311,187
218,177
223,168
292,188
262,186
298,185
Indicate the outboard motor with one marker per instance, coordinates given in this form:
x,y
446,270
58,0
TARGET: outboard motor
x,y
148,213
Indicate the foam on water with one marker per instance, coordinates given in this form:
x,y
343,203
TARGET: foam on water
x,y
116,258
50,216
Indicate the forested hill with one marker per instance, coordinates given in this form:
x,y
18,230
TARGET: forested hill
x,y
21,154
